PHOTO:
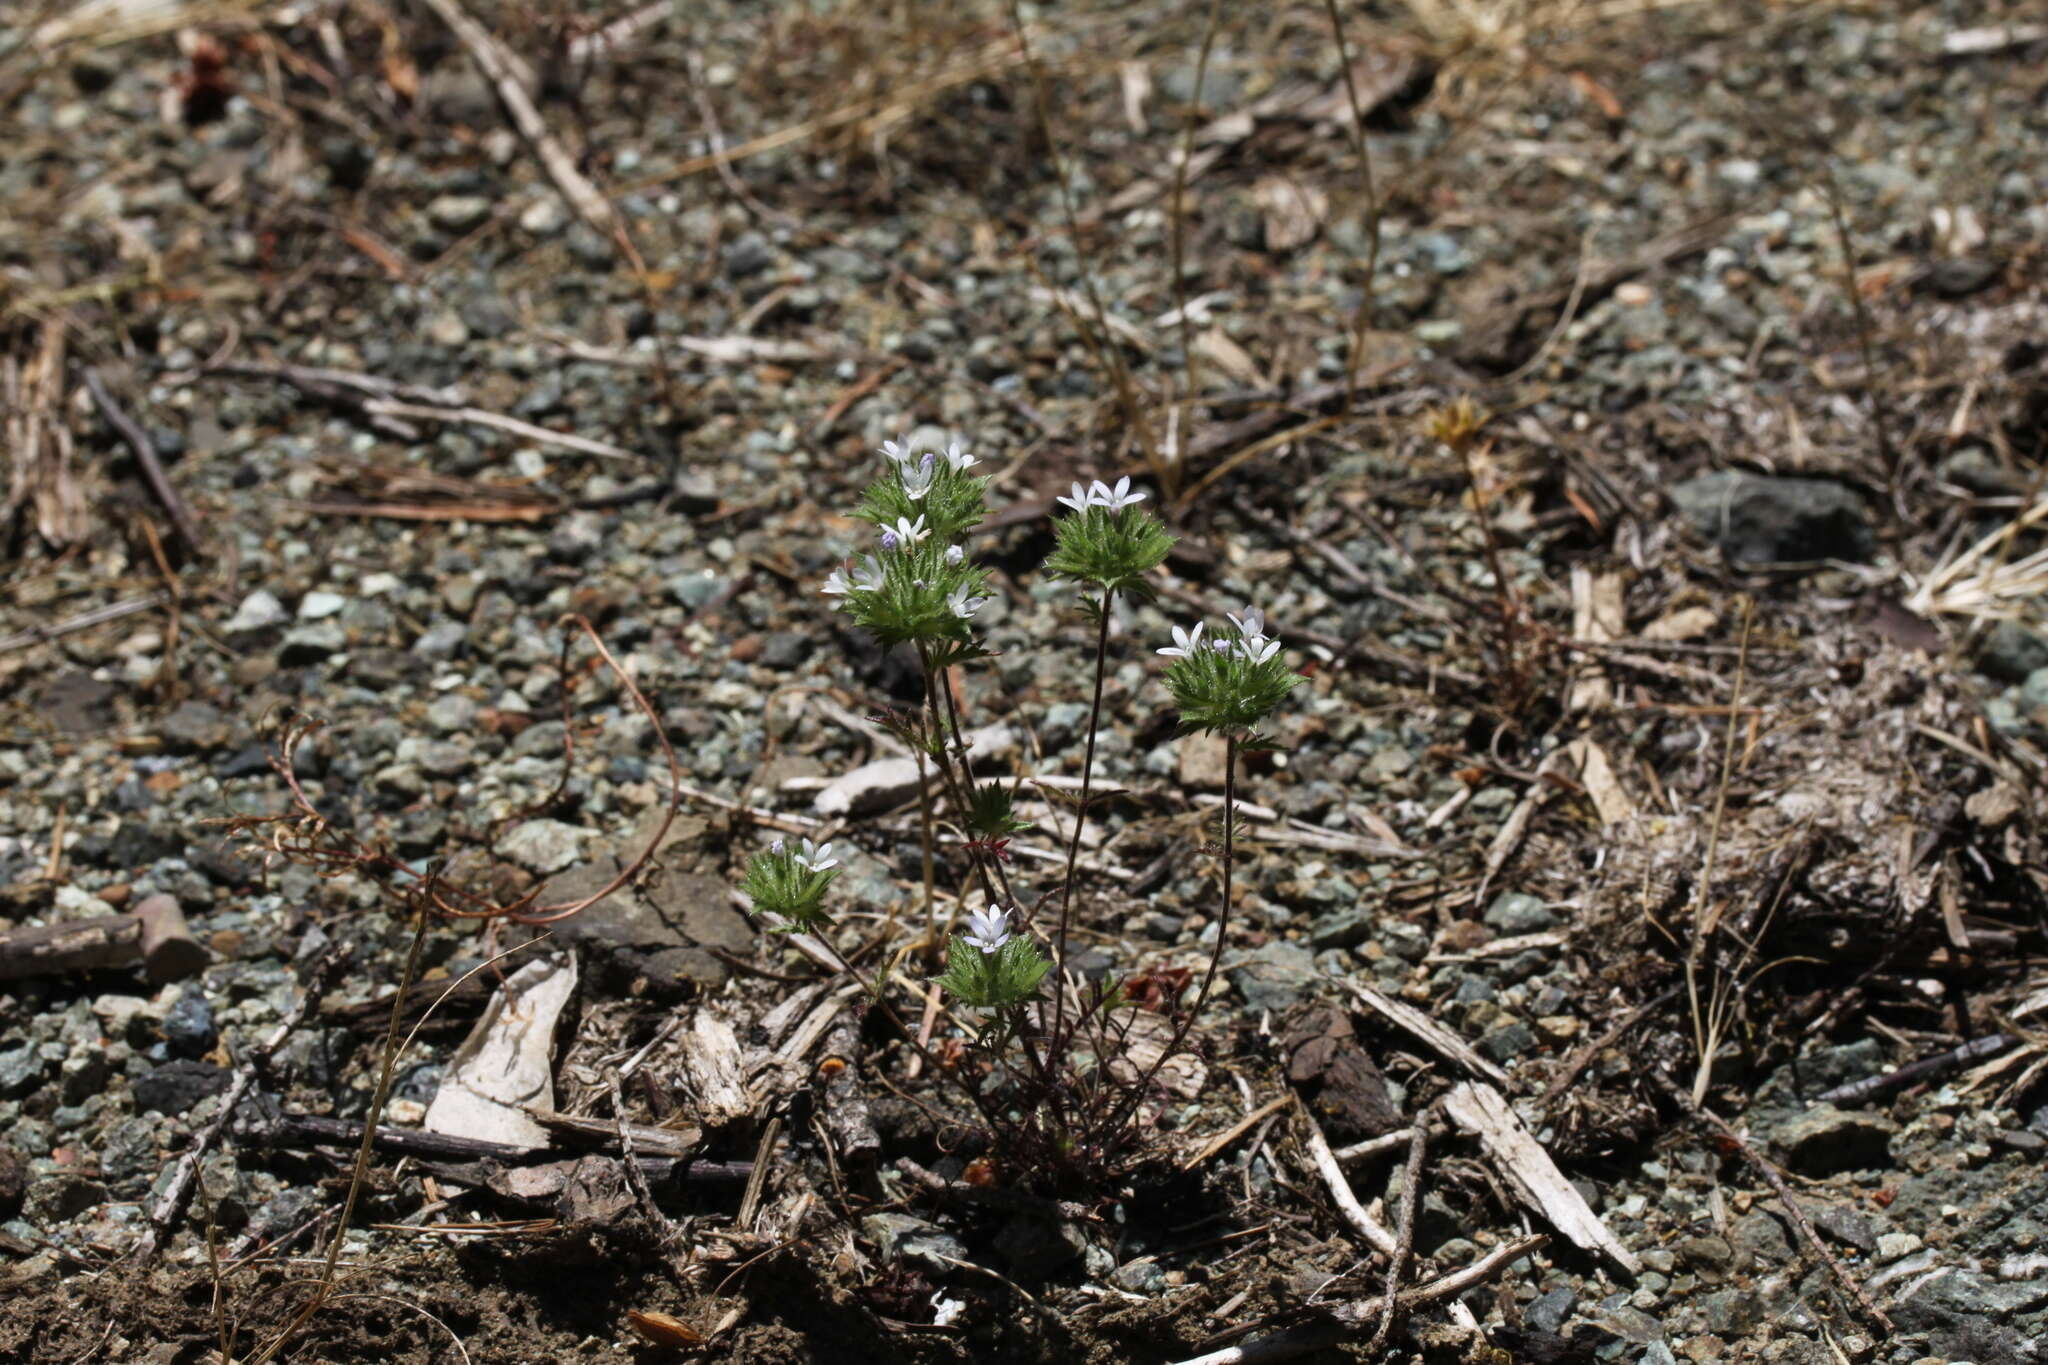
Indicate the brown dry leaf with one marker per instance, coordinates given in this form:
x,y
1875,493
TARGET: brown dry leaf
x,y
1294,212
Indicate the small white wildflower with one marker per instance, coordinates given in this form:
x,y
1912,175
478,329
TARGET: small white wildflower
x,y
1251,625
836,584
907,532
1258,649
954,554
1184,642
1079,501
988,930
1115,499
776,848
899,453
958,458
867,574
817,857
916,477
963,605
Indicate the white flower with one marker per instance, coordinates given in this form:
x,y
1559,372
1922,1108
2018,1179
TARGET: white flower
x,y
1079,501
906,532
1184,642
1115,499
1251,625
836,584
1258,649
817,857
776,848
963,605
867,574
916,476
958,458
954,554
988,930
899,453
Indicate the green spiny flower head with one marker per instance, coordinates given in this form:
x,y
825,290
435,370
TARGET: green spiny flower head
x,y
913,588
1231,682
787,886
1108,541
932,487
990,968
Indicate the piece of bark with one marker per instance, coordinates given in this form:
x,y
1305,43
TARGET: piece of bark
x,y
1338,1079
506,1065
715,1071
841,1103
155,936
1484,1112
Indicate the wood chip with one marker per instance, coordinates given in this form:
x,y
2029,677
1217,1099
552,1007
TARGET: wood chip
x,y
1483,1111
1435,1036
715,1071
1597,775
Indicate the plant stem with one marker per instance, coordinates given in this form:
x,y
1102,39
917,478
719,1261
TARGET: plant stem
x,y
1180,1032
1059,959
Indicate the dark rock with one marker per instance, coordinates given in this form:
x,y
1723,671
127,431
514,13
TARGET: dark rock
x,y
1343,928
2011,652
1955,279
1274,977
1035,1247
196,726
13,1182
1731,1312
136,845
1846,1224
60,1198
1548,1313
1766,520
175,1087
188,1026
661,928
77,703
1825,1140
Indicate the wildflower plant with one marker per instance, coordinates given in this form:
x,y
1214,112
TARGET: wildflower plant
x,y
1059,1114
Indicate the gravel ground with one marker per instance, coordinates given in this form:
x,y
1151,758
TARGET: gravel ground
x,y
1706,683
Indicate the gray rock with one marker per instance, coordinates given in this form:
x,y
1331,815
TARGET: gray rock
x,y
542,846
196,726
442,640
443,759
452,713
1765,520
2011,652
1825,1140
660,929
1515,912
458,212
1274,977
312,644
1344,928
544,217
2034,692
693,590
260,610
1506,1041
1846,1224
1548,1313
129,1149
60,1198
318,606
21,1070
